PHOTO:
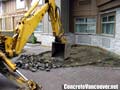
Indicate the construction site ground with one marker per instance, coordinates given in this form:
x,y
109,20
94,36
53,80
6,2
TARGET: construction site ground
x,y
85,73
78,75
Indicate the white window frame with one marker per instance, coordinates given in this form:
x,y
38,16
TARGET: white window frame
x,y
107,15
84,23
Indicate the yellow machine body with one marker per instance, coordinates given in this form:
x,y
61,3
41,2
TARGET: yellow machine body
x,y
11,46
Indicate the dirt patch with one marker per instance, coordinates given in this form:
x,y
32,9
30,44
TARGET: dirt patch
x,y
79,56
90,55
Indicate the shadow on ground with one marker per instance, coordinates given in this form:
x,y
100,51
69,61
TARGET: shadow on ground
x,y
6,84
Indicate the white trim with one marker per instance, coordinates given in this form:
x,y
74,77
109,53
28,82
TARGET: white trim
x,y
80,33
107,35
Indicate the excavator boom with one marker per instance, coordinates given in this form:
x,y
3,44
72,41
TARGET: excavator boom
x,y
9,69
11,46
28,24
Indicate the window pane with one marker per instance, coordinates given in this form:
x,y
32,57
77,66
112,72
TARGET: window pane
x,y
111,18
77,27
80,20
104,28
81,28
104,19
91,20
112,28
20,4
108,28
91,28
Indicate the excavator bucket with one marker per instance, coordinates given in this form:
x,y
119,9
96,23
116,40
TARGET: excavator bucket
x,y
61,50
33,86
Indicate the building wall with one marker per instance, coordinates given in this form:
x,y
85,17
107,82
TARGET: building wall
x,y
81,8
111,43
9,7
107,4
101,2
71,9
10,15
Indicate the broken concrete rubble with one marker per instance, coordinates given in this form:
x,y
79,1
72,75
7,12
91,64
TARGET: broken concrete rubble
x,y
80,56
43,61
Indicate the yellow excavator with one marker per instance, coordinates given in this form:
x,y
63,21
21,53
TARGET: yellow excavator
x,y
12,46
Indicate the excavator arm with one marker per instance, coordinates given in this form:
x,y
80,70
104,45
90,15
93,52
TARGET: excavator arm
x,y
11,46
28,24
9,69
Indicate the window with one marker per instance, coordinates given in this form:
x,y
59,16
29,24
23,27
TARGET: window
x,y
33,1
20,4
108,24
85,25
1,9
39,27
0,23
